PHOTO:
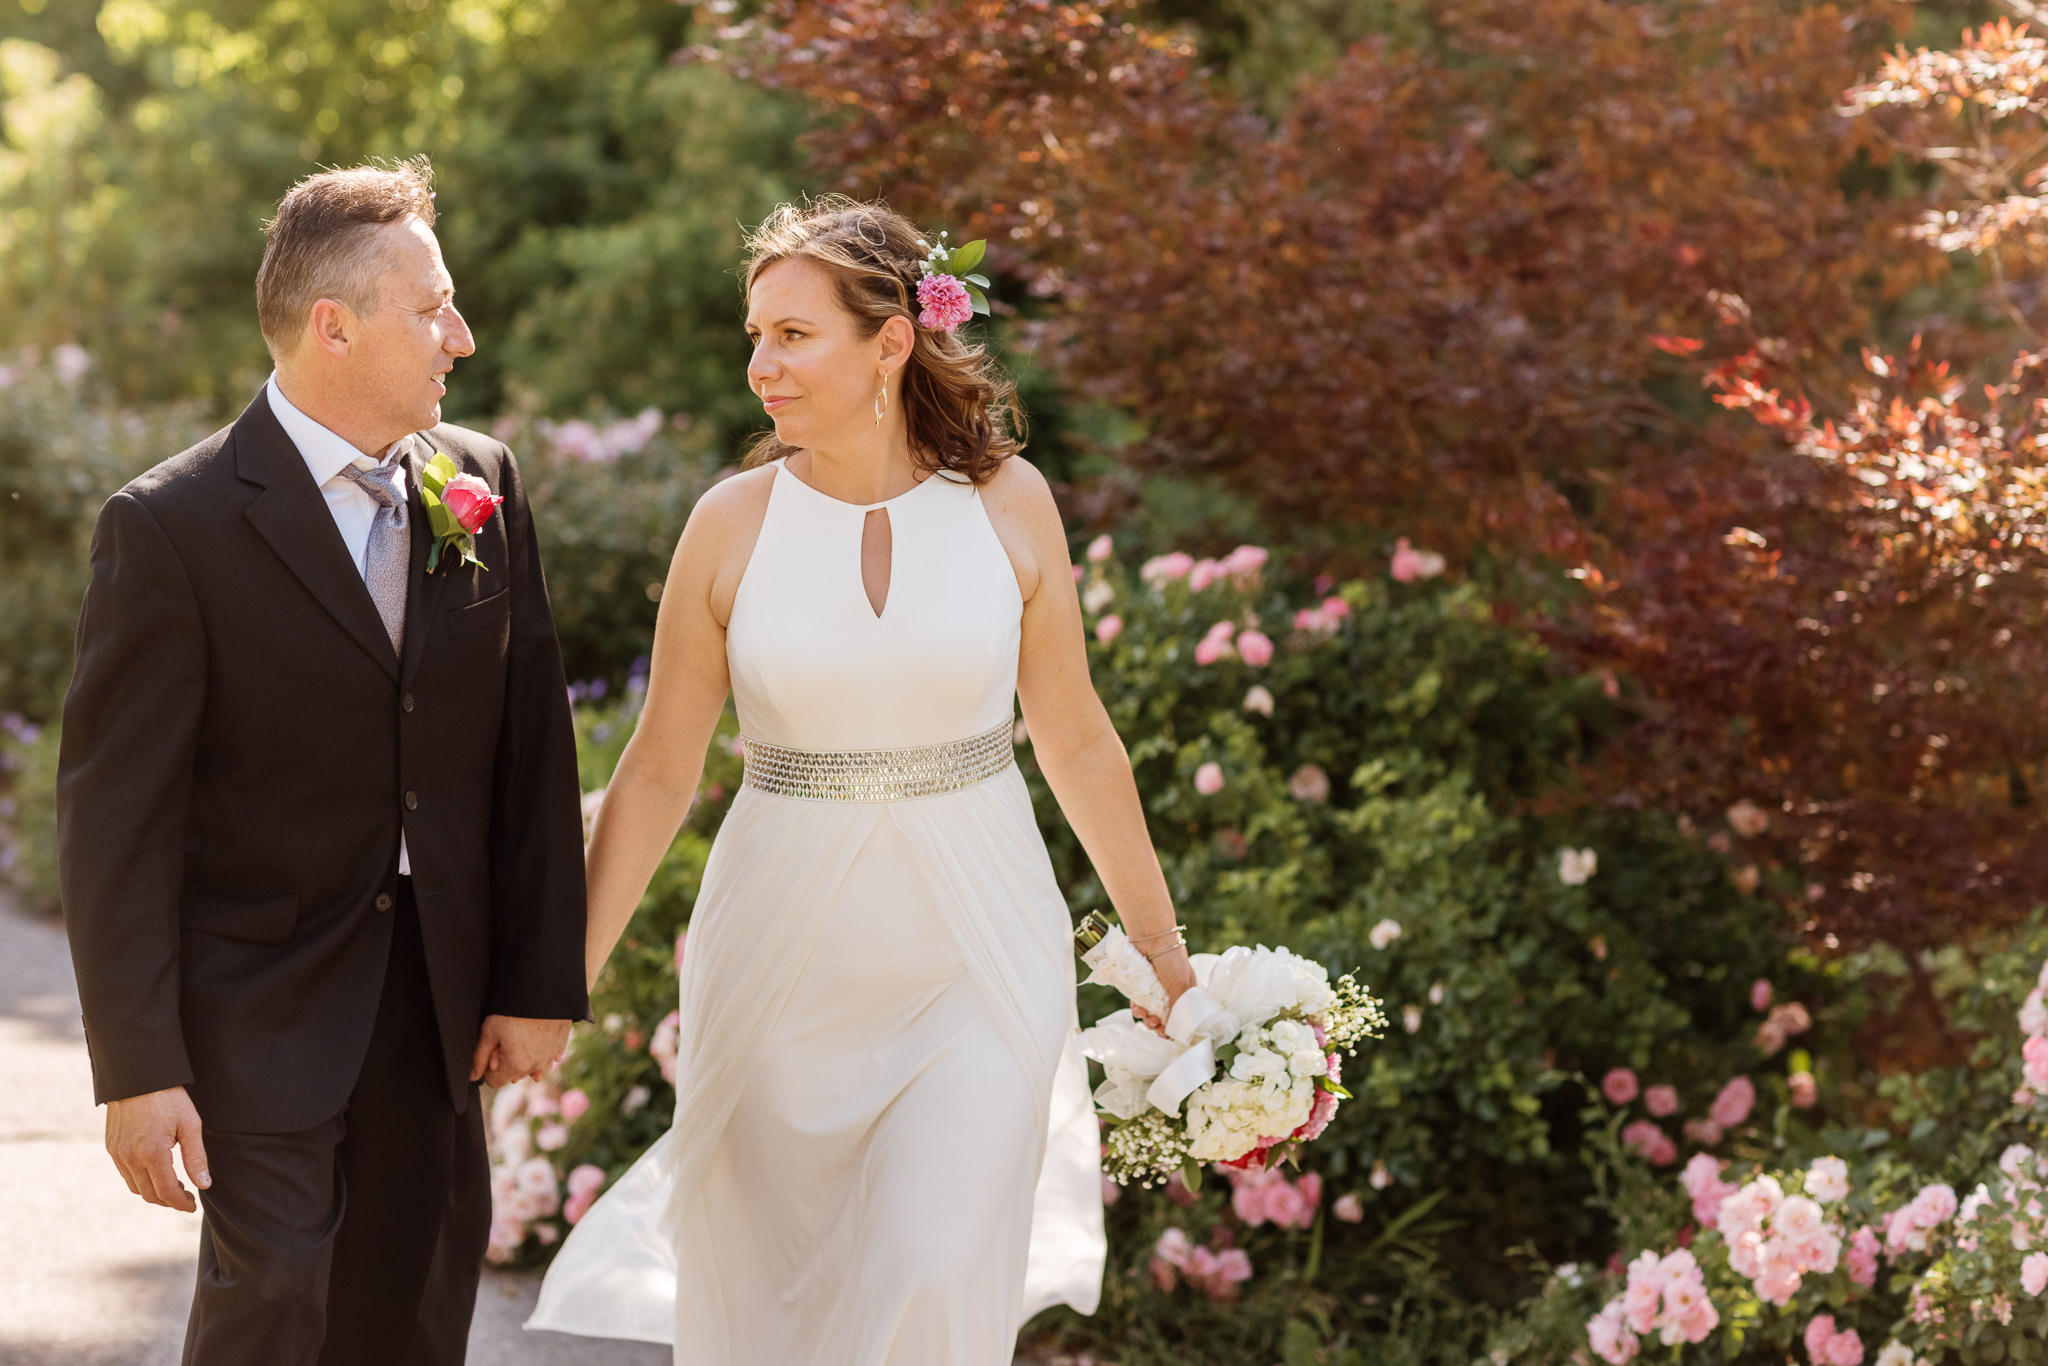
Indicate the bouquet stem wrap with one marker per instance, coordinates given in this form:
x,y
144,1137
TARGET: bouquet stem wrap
x,y
1114,961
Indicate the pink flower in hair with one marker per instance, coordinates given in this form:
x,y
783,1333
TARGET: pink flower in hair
x,y
943,303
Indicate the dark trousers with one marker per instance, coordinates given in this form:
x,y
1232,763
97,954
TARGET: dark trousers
x,y
358,1242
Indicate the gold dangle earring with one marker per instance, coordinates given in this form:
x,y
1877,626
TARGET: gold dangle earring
x,y
881,402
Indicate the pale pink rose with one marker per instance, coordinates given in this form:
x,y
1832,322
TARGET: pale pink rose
x,y
1173,1248
1101,548
1652,1142
507,1233
1733,1105
1609,1335
1204,573
586,1179
2034,1273
1216,644
550,1138
943,303
1336,609
1245,561
1286,1207
1933,1206
1109,628
1166,568
1310,1185
1410,564
1661,1100
1078,572
1699,1320
663,1047
1254,649
470,502
2035,1053
1846,1349
1309,784
2023,1096
1704,1132
2034,1014
1804,1092
1863,1249
1819,1333
1798,1219
1349,1208
1760,994
1702,1181
1209,779
1619,1086
1827,1180
1777,1283
575,1104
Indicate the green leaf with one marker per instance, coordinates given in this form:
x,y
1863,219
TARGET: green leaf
x,y
981,280
1191,1176
979,300
966,256
438,472
434,557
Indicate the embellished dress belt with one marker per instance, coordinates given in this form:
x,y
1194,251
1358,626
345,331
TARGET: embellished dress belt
x,y
879,775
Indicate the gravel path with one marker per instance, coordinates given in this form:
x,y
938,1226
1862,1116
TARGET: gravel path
x,y
90,1275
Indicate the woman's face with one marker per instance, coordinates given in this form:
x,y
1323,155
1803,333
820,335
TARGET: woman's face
x,y
816,375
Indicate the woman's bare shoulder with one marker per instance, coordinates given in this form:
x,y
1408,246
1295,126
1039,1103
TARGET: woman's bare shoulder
x,y
1026,520
720,535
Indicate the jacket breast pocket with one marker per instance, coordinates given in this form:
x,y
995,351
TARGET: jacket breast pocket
x,y
493,611
239,913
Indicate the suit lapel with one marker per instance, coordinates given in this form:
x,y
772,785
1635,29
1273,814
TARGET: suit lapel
x,y
293,517
422,590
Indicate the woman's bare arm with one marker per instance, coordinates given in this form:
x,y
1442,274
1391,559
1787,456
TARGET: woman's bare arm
x,y
1077,748
687,683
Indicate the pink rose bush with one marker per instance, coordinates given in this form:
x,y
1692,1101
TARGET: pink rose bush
x,y
1215,1271
1827,1347
1265,1195
1666,1296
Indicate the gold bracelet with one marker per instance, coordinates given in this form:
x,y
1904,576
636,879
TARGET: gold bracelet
x,y
1141,938
1180,942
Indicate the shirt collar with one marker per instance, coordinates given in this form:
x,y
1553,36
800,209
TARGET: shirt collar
x,y
323,451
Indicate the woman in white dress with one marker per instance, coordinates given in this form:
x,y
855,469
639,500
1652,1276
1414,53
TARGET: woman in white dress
x,y
883,1149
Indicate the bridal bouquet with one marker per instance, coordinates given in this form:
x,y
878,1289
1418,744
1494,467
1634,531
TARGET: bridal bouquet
x,y
1248,1067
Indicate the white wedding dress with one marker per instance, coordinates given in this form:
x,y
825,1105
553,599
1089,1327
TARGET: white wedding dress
x,y
884,1149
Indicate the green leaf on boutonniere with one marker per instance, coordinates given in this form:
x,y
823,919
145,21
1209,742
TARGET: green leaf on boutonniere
x,y
448,533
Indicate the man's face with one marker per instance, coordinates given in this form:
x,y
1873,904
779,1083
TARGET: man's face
x,y
398,368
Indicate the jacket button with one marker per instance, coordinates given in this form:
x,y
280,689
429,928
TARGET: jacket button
x,y
405,703
412,801
383,901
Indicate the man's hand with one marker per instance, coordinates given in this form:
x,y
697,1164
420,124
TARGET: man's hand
x,y
142,1130
508,1048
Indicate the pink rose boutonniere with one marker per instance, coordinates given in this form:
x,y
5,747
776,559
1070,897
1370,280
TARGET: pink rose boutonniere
x,y
458,506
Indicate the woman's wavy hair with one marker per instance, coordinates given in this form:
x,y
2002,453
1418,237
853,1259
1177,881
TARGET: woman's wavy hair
x,y
960,408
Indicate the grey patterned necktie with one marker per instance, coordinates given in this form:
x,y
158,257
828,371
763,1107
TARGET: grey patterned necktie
x,y
387,559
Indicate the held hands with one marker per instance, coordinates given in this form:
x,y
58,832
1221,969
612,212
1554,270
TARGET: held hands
x,y
508,1048
1176,975
142,1130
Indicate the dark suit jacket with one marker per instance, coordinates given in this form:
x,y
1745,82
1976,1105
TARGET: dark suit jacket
x,y
240,751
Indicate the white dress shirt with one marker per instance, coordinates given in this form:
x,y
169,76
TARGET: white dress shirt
x,y
352,507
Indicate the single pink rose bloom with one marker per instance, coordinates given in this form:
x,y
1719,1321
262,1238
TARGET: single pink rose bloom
x,y
470,502
1407,565
1619,1086
585,1180
1863,1250
1661,1100
1209,779
1348,1208
1165,568
2034,1273
1255,649
1212,648
1652,1142
2035,1053
1804,1091
1204,573
1101,548
1846,1349
1704,1132
1734,1103
1245,561
1079,572
1760,994
575,1104
1109,628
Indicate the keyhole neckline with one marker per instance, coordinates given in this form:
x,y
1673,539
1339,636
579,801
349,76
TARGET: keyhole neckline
x,y
782,464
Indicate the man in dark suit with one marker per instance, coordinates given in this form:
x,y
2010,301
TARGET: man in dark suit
x,y
318,812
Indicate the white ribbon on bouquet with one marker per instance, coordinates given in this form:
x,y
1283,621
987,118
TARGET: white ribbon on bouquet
x,y
1234,991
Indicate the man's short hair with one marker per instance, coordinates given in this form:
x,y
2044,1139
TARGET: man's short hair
x,y
324,244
